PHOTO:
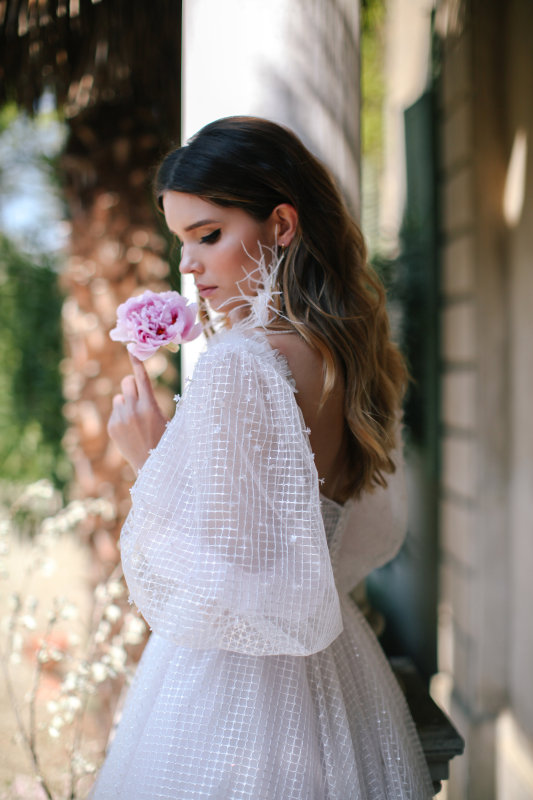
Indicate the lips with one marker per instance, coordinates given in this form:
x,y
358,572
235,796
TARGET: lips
x,y
205,291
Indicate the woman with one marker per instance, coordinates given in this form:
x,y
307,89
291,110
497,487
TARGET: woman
x,y
273,491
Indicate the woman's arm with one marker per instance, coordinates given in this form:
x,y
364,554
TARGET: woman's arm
x,y
224,546
136,423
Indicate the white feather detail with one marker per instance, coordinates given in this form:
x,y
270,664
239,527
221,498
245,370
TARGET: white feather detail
x,y
257,305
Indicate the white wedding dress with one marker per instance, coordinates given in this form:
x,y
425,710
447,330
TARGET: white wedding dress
x,y
261,679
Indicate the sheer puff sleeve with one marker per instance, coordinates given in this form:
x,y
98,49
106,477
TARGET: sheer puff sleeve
x,y
224,546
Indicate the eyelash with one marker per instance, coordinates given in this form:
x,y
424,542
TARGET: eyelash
x,y
211,238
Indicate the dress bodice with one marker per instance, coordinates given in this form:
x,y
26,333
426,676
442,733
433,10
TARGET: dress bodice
x,y
225,545
333,516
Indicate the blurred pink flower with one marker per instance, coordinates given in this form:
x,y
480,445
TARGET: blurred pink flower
x,y
154,319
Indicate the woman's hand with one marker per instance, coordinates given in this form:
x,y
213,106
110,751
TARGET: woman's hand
x,y
136,423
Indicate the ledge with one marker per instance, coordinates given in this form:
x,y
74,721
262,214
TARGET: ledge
x,y
439,738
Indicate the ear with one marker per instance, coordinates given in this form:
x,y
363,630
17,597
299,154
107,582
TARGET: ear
x,y
284,220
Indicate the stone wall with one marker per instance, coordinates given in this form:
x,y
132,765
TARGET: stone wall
x,y
460,397
487,443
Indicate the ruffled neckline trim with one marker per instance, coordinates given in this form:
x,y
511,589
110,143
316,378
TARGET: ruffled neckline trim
x,y
255,341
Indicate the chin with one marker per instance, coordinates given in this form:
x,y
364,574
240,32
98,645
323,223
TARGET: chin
x,y
220,307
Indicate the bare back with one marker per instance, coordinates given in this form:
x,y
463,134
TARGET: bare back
x,y
327,424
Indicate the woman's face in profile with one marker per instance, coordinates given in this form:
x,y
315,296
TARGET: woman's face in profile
x,y
220,247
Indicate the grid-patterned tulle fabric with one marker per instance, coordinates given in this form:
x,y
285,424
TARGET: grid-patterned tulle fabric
x,y
225,544
247,688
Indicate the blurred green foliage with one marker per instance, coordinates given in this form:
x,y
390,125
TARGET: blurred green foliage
x,y
31,419
372,79
8,114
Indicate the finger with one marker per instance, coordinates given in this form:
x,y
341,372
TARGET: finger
x,y
119,412
129,389
144,384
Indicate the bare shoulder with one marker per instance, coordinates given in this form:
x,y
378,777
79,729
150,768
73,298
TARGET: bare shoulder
x,y
305,363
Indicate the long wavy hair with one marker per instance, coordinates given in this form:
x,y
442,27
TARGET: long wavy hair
x,y
328,291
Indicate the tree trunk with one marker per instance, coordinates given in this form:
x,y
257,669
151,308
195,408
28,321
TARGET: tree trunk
x,y
117,246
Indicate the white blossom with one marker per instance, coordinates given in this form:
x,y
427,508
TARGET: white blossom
x,y
82,766
41,490
100,593
91,660
102,632
118,658
57,721
104,509
70,682
115,589
5,527
48,567
134,629
56,655
70,703
68,611
113,613
99,672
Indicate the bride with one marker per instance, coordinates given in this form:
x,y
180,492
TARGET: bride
x,y
274,490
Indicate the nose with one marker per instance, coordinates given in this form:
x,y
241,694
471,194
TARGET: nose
x,y
188,262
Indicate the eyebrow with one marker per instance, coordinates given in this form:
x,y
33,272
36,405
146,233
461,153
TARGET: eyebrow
x,y
200,224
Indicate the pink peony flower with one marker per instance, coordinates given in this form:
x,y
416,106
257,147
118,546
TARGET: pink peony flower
x,y
154,319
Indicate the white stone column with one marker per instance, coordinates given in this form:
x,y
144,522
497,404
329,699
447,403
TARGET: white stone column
x,y
293,61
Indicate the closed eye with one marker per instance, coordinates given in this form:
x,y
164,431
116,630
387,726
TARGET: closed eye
x,y
211,238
